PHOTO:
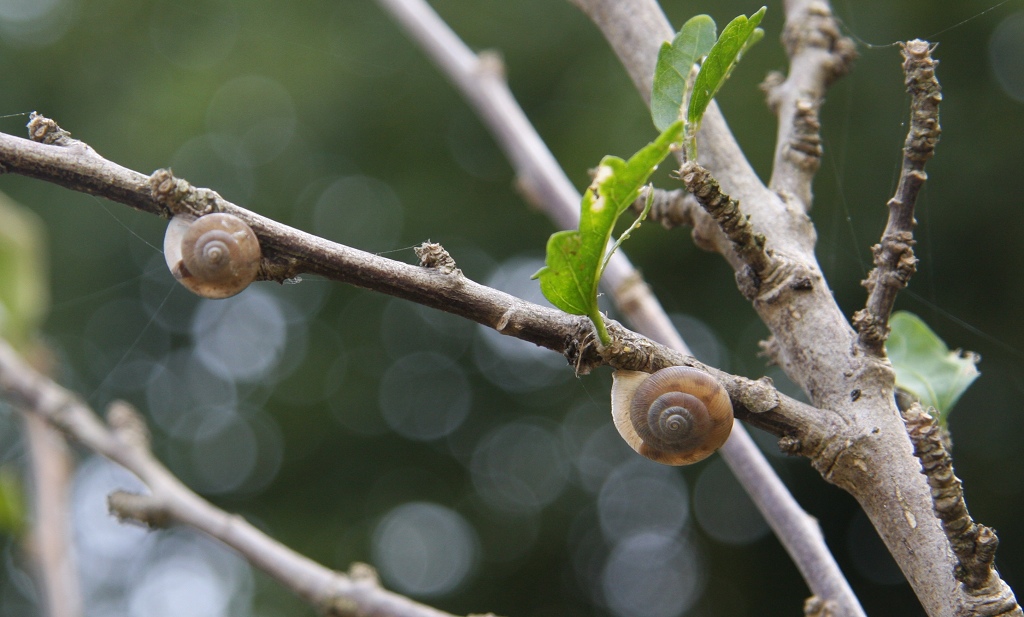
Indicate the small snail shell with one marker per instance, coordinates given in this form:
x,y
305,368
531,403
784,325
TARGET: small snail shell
x,y
214,256
676,416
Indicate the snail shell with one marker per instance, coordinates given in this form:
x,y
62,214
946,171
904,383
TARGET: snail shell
x,y
676,416
214,256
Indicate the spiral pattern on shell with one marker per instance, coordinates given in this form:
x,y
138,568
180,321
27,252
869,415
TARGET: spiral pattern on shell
x,y
676,416
214,256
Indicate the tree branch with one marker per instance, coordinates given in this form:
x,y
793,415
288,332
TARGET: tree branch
x,y
50,541
488,92
857,446
813,341
818,55
894,256
288,252
124,440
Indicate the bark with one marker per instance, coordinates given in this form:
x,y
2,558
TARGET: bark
x,y
869,453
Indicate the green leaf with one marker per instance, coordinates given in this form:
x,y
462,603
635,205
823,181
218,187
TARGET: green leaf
x,y
736,38
24,298
675,60
565,279
575,259
925,366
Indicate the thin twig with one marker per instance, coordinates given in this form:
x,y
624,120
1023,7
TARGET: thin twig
x,y
489,94
671,209
747,243
288,252
124,440
818,55
894,256
50,540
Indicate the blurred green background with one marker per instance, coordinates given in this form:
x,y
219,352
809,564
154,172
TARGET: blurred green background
x,y
475,472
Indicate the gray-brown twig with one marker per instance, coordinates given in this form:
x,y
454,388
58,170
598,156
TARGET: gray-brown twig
x,y
747,243
288,252
51,543
894,256
123,440
813,340
974,545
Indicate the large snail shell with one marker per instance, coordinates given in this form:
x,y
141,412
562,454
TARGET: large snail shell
x,y
675,416
214,256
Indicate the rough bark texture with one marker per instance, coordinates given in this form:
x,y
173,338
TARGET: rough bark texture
x,y
869,453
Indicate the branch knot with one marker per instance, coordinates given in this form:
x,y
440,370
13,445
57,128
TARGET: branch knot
x,y
178,196
433,255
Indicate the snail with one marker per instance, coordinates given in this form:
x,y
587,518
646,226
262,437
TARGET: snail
x,y
676,416
214,256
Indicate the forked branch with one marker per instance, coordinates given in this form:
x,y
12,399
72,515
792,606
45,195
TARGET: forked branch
x,y
812,339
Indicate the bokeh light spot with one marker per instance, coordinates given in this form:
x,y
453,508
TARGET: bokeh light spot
x,y
223,460
1006,53
424,396
424,549
520,467
255,112
652,575
185,399
510,363
194,36
240,338
216,160
723,508
641,496
360,212
100,540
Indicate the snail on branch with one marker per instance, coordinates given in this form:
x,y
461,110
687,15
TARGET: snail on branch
x,y
676,416
214,256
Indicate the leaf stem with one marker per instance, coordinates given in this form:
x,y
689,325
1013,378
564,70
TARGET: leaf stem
x,y
598,319
648,201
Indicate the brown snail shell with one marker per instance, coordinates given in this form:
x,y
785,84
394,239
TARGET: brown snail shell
x,y
214,256
676,416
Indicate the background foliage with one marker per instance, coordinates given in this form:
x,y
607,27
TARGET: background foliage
x,y
334,417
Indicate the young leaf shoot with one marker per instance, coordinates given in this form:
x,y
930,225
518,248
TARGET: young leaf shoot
x,y
736,39
675,63
576,258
